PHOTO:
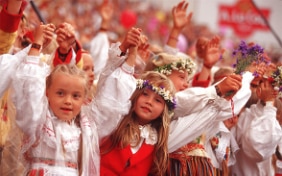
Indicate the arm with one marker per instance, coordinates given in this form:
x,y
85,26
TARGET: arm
x,y
68,46
195,99
10,17
29,89
115,87
180,20
209,51
264,133
100,44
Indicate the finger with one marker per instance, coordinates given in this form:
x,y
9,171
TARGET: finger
x,y
189,16
236,77
179,6
185,6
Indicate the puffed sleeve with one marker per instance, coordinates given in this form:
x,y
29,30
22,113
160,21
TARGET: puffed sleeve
x,y
193,99
28,96
99,47
111,102
8,66
239,99
187,128
261,136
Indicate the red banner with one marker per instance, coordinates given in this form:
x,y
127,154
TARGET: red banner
x,y
243,18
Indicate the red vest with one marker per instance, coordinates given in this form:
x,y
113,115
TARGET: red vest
x,y
124,163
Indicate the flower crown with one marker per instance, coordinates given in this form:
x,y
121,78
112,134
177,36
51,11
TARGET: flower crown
x,y
180,65
245,55
276,80
167,96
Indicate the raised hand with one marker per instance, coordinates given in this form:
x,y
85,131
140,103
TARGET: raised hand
x,y
65,37
132,38
143,48
106,11
258,69
48,34
180,19
266,91
213,52
229,86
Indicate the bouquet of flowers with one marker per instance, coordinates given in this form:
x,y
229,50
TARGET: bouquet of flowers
x,y
247,54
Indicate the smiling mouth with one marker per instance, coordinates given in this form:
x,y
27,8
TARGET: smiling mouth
x,y
66,109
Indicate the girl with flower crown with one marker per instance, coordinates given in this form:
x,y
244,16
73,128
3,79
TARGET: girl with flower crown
x,y
139,144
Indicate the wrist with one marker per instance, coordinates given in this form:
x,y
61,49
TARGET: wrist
x,y
36,46
173,37
122,48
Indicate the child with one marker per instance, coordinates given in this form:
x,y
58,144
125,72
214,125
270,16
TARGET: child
x,y
139,144
60,140
258,132
88,67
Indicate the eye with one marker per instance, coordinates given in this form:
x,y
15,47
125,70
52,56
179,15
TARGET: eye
x,y
159,100
76,96
182,77
60,93
86,68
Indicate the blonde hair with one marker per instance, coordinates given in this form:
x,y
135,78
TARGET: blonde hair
x,y
129,127
71,70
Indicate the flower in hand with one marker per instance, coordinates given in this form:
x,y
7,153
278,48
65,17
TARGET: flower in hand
x,y
247,55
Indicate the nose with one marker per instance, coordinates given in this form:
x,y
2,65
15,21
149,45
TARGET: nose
x,y
149,100
185,85
68,100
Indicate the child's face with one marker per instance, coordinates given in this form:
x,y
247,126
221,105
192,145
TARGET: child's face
x,y
66,95
149,106
179,80
88,67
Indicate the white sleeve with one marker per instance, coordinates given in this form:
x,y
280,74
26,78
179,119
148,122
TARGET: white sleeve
x,y
28,86
8,66
193,99
239,99
262,136
185,129
99,47
112,102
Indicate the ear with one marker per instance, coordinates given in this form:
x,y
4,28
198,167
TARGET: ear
x,y
46,93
